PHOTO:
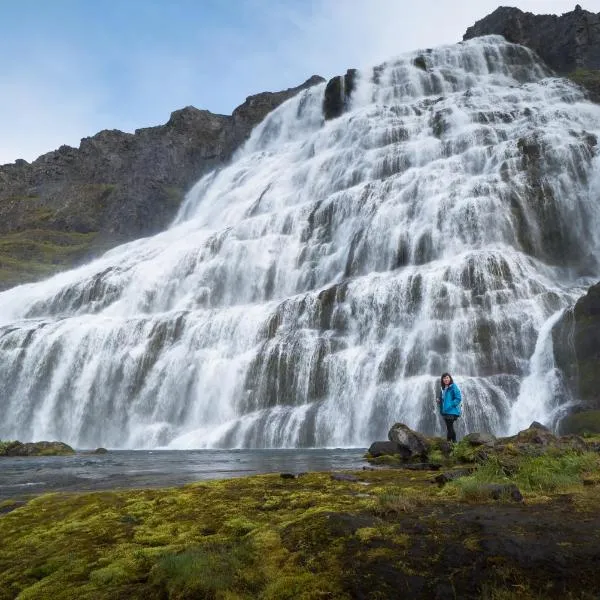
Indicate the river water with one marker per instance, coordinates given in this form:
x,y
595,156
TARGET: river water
x,y
26,476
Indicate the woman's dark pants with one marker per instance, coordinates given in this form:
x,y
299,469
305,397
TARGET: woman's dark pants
x,y
451,434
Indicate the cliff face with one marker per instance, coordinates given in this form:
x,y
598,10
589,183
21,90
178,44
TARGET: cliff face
x,y
569,44
73,203
577,348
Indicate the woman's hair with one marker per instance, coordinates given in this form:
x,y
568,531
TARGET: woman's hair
x,y
442,379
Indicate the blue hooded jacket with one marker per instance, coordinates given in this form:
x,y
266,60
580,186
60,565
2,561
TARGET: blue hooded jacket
x,y
450,400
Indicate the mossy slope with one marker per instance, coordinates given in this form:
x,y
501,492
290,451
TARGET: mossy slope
x,y
392,533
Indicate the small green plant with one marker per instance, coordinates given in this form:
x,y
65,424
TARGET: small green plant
x,y
5,446
390,503
464,452
548,473
207,571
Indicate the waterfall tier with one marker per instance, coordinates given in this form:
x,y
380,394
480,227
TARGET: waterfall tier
x,y
312,292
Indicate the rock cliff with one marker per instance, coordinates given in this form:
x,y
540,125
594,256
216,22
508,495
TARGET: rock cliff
x,y
73,203
577,349
569,44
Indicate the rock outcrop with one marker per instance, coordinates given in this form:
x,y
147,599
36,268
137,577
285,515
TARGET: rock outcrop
x,y
576,339
569,44
73,203
17,448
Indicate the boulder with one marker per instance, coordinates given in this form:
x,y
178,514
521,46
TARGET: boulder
x,y
411,443
480,439
585,422
383,448
36,449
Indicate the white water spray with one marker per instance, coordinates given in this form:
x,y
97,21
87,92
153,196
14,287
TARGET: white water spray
x,y
311,293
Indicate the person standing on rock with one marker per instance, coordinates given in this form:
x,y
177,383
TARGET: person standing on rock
x,y
449,402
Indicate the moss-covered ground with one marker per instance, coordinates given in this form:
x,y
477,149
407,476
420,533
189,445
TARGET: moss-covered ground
x,y
384,533
33,254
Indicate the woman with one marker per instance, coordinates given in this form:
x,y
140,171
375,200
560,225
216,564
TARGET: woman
x,y
449,401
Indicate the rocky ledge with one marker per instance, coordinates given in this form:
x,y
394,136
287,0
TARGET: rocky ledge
x,y
16,448
569,44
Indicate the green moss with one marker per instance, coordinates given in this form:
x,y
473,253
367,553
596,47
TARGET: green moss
x,y
589,79
175,195
311,537
35,253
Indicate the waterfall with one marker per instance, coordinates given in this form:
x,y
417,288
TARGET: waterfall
x,y
311,292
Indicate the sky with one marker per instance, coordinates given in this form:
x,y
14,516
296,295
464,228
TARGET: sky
x,y
70,68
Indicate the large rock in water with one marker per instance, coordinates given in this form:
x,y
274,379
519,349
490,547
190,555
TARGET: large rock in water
x,y
576,340
35,449
74,203
569,44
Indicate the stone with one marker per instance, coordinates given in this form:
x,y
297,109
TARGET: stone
x,y
480,439
565,43
412,443
37,449
383,448
444,478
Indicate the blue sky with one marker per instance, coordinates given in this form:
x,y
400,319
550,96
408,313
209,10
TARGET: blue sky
x,y
69,68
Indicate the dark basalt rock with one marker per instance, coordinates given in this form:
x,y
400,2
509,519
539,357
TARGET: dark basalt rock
x,y
383,449
569,44
36,449
565,43
576,341
337,94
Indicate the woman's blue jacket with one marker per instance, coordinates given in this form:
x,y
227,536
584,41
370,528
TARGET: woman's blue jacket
x,y
450,400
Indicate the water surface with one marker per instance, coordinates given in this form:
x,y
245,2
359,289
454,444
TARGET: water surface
x,y
24,476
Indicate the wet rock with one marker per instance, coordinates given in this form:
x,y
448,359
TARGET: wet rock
x,y
444,478
337,94
480,439
425,466
536,425
576,342
411,443
581,423
383,448
36,449
499,491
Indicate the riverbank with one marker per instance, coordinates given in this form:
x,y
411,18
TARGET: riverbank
x,y
365,533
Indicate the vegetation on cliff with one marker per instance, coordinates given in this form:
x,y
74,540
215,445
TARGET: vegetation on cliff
x,y
376,533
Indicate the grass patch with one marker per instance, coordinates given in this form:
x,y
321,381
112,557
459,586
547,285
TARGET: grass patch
x,y
531,474
33,254
392,533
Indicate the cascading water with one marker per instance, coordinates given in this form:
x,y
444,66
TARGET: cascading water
x,y
311,293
